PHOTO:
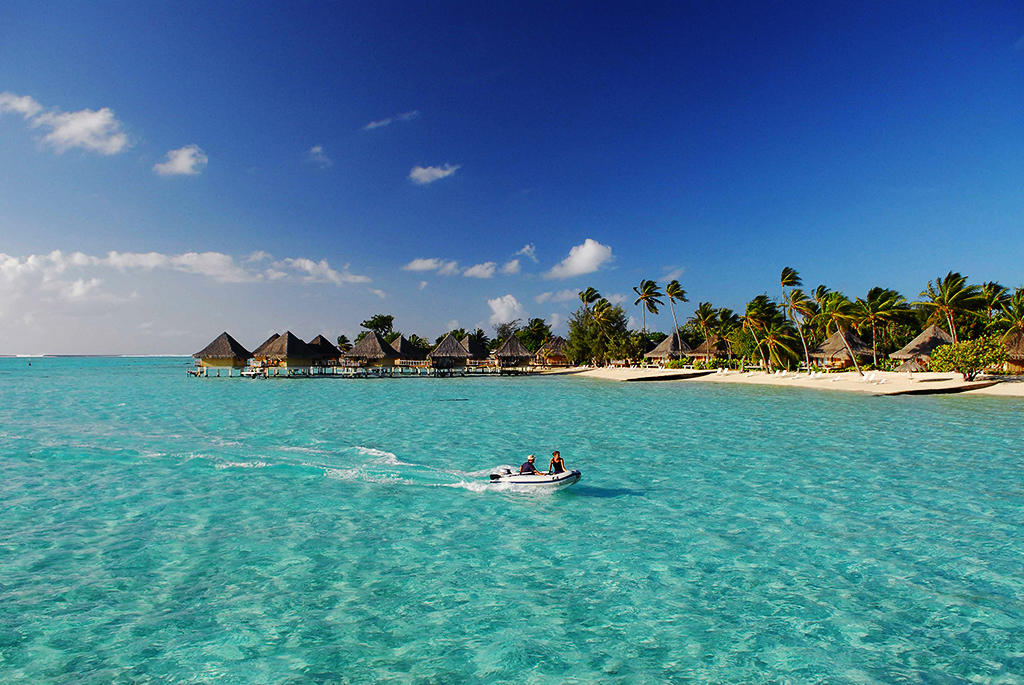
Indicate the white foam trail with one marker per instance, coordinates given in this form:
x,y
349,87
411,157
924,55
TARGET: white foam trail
x,y
383,457
240,465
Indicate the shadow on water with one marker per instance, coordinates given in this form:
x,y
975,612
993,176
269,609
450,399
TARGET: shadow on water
x,y
606,493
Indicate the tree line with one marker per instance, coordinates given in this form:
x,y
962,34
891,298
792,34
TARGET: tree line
x,y
533,334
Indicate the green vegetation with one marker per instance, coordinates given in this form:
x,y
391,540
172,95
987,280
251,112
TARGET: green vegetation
x,y
970,357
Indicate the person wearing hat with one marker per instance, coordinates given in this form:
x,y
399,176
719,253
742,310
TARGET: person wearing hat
x,y
528,469
556,465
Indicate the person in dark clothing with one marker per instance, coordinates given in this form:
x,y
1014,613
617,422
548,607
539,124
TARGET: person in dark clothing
x,y
556,465
528,469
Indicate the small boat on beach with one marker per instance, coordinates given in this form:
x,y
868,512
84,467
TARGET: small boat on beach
x,y
546,481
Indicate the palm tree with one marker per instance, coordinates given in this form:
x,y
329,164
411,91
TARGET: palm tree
x,y
705,317
756,318
837,311
880,307
648,294
790,278
589,297
778,340
344,344
674,292
799,308
993,296
948,296
1011,314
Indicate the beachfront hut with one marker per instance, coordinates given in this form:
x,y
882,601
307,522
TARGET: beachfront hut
x,y
406,350
477,352
448,354
553,352
833,352
373,350
713,348
326,353
289,353
223,353
920,348
672,347
512,353
912,365
1015,352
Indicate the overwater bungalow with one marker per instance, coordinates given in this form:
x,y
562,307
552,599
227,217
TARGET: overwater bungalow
x,y
512,354
713,348
477,352
223,353
287,355
917,353
259,354
672,347
406,351
326,353
553,352
449,354
833,351
373,351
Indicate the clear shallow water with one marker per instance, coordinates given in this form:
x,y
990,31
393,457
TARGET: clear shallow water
x,y
158,528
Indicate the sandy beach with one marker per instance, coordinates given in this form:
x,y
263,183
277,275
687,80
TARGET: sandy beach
x,y
873,382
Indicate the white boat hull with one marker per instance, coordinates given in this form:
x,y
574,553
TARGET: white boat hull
x,y
545,481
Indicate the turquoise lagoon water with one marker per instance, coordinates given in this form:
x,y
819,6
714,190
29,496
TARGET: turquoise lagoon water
x,y
159,528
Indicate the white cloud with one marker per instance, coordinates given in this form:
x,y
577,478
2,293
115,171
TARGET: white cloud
x,y
424,175
387,121
94,130
542,298
505,309
511,267
318,157
616,298
423,284
258,256
185,161
273,274
632,324
441,266
672,273
485,270
529,250
451,325
582,259
555,319
25,105
321,272
379,293
565,295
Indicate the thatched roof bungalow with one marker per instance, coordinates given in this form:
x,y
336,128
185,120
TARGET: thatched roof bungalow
x,y
326,351
448,354
259,354
1014,342
373,350
833,351
406,350
713,348
922,346
476,351
288,351
512,352
672,347
553,352
223,352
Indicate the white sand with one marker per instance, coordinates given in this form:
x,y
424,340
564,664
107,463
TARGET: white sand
x,y
881,383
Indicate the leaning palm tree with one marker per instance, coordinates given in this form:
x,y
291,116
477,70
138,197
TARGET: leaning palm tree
x,y
589,297
756,318
949,296
799,308
837,312
993,296
344,344
705,317
648,294
778,340
791,279
674,292
1011,315
880,307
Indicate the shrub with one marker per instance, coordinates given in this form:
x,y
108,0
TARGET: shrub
x,y
970,357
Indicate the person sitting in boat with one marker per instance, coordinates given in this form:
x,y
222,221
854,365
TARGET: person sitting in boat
x,y
528,469
556,465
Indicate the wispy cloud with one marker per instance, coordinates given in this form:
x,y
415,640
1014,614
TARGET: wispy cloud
x,y
505,309
320,272
582,259
673,273
185,161
511,267
561,296
616,298
423,284
485,270
317,156
441,266
529,250
93,130
423,175
387,121
555,320
379,293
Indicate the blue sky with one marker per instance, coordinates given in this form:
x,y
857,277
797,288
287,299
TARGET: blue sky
x,y
258,167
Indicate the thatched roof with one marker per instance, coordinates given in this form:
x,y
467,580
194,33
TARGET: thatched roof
x,y
372,346
406,350
713,348
553,348
475,349
924,344
259,351
833,348
512,349
223,347
288,346
912,365
324,348
449,348
672,347
1014,346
